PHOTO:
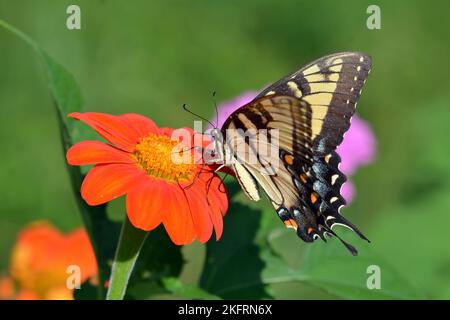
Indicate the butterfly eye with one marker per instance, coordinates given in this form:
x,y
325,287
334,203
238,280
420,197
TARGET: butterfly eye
x,y
215,133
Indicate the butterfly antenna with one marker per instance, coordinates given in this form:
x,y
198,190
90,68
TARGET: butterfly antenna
x,y
195,114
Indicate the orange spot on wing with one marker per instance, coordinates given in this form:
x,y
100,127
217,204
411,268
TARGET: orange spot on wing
x,y
310,229
304,178
313,197
290,224
289,159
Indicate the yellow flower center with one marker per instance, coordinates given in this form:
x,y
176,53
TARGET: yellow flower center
x,y
164,158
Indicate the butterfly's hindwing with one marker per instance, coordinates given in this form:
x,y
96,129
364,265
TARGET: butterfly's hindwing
x,y
320,197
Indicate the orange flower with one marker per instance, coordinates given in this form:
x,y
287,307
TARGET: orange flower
x,y
138,162
41,257
6,288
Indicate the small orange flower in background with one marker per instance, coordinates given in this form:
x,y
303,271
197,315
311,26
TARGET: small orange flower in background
x,y
185,197
39,263
6,288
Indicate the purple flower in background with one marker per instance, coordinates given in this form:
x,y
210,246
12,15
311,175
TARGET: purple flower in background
x,y
358,147
348,190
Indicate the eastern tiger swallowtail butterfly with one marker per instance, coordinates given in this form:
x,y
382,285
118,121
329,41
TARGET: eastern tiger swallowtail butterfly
x,y
311,110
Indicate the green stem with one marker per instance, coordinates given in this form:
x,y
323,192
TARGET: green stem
x,y
130,243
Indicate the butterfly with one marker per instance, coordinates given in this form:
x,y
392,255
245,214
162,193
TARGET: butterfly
x,y
302,118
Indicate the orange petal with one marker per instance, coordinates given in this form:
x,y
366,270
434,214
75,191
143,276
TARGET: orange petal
x,y
146,204
79,250
141,124
93,152
217,219
106,182
199,209
216,215
177,220
6,288
166,131
113,128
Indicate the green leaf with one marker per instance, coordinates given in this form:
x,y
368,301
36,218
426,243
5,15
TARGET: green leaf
x,y
245,262
86,292
160,257
147,290
186,291
241,264
330,267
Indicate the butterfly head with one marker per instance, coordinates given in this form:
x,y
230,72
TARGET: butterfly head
x,y
217,138
216,152
216,134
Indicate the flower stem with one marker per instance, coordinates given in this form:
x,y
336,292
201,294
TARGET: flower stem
x,y
130,243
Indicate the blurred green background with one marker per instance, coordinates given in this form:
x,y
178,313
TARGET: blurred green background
x,y
150,57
